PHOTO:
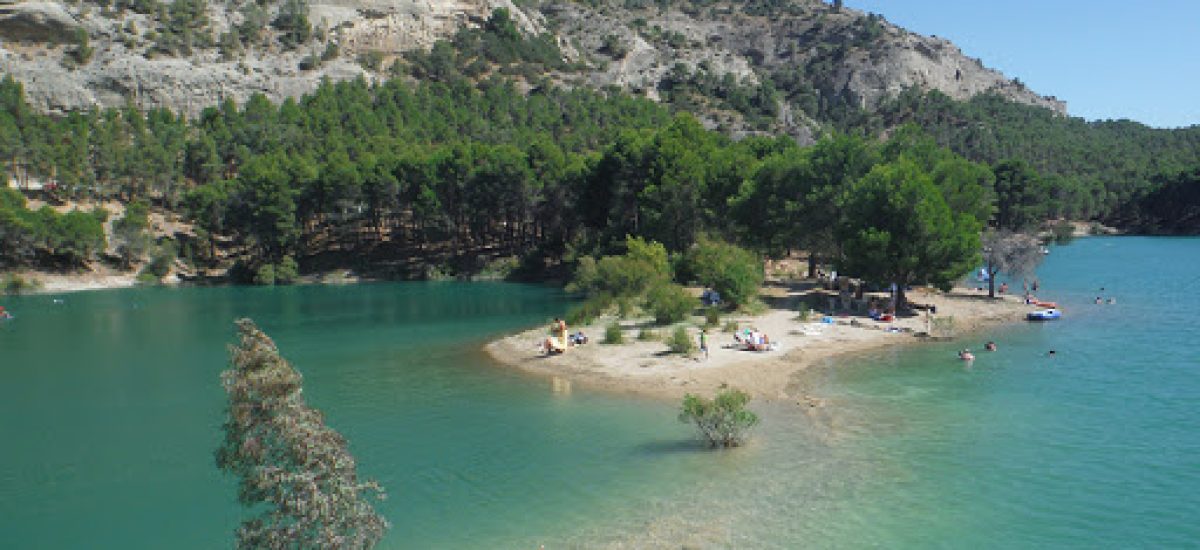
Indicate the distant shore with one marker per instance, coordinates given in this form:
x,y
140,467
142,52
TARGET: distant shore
x,y
645,368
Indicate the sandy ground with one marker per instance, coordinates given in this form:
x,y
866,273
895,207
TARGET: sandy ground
x,y
54,283
646,367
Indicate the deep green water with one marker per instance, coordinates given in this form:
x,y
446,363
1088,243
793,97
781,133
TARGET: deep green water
x,y
110,407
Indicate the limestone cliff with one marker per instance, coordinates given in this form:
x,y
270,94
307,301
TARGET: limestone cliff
x,y
192,54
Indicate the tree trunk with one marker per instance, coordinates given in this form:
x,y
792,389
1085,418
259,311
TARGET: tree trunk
x,y
991,281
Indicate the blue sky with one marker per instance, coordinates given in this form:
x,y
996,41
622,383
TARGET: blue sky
x,y
1107,59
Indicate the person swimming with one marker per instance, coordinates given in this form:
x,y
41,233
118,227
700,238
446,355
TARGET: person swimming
x,y
990,346
966,355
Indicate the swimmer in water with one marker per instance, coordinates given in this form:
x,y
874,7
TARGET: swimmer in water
x,y
990,346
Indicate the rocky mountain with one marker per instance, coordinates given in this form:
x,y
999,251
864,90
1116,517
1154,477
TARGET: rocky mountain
x,y
744,66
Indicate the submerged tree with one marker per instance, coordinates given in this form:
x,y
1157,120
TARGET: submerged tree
x,y
288,459
723,420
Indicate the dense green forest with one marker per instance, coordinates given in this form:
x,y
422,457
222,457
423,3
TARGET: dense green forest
x,y
471,165
452,173
1091,168
1170,207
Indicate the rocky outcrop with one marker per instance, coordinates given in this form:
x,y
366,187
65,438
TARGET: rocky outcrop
x,y
46,22
843,53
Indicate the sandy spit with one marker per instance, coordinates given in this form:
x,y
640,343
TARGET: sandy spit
x,y
645,368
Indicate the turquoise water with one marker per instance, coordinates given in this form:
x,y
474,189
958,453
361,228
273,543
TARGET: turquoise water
x,y
110,408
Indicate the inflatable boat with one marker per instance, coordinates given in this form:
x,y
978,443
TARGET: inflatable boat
x,y
1044,315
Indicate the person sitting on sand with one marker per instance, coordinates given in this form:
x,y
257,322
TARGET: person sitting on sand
x,y
990,346
557,341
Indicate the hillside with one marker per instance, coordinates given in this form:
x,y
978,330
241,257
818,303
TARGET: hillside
x,y
454,139
742,66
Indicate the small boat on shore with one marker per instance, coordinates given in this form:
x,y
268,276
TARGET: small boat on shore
x,y
1044,315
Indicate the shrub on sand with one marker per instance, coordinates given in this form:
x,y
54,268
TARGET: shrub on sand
x,y
680,341
613,334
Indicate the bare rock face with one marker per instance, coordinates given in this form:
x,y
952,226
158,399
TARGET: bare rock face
x,y
845,54
36,22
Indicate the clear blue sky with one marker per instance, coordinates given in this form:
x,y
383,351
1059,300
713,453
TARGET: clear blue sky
x,y
1136,59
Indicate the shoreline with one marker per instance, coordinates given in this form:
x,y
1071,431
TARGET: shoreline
x,y
644,368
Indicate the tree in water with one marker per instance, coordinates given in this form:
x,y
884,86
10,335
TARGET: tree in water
x,y
288,459
721,421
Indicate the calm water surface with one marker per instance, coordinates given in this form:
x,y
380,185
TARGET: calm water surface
x,y
110,408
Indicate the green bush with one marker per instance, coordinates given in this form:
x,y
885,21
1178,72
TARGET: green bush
x,y
712,316
733,272
1062,233
287,271
613,334
265,275
643,266
586,312
669,303
160,261
681,341
647,335
16,284
723,420
730,326
626,307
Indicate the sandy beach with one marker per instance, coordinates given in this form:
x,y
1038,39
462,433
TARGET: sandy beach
x,y
646,368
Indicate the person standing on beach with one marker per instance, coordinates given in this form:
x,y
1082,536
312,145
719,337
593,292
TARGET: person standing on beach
x,y
704,342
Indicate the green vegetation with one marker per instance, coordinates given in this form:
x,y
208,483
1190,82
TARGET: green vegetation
x,y
669,303
735,273
900,230
161,257
44,238
82,52
474,52
1170,206
16,284
680,341
696,90
613,334
722,421
293,471
130,235
712,316
1089,169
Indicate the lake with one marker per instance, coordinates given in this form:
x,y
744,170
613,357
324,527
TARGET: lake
x,y
111,406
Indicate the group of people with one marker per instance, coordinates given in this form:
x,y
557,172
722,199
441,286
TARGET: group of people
x,y
966,354
752,339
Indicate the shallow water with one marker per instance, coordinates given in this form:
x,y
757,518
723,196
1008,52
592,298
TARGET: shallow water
x,y
110,408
